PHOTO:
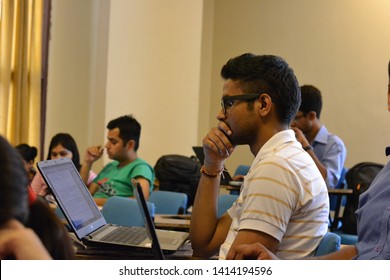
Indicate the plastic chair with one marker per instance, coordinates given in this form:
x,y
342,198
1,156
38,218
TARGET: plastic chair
x,y
242,170
330,243
225,201
337,201
125,211
168,202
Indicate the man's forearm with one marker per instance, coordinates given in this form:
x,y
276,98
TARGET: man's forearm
x,y
204,216
347,252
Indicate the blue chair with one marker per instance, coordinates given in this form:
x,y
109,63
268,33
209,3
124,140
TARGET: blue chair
x,y
336,201
125,211
225,201
168,202
330,243
242,170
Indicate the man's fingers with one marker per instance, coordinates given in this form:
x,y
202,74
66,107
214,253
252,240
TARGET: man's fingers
x,y
219,142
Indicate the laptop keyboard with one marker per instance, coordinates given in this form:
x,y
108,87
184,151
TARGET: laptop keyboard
x,y
125,235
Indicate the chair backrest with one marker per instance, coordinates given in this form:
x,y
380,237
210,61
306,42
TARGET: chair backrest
x,y
125,211
225,201
168,202
242,169
330,243
341,184
358,178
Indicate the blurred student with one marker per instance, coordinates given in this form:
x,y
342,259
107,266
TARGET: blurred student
x,y
62,145
25,216
115,179
28,153
327,150
21,243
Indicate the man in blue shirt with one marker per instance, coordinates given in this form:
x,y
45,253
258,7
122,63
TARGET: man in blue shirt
x,y
327,150
373,223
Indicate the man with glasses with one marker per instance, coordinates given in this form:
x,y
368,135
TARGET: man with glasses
x,y
283,203
373,217
327,150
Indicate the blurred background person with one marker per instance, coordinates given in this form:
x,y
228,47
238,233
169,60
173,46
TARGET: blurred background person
x,y
62,145
21,210
28,153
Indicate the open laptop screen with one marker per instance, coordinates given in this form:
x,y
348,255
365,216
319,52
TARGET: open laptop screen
x,y
72,195
148,219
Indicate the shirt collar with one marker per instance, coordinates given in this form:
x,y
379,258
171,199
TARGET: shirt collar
x,y
322,135
275,142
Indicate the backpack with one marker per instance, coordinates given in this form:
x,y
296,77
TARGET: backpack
x,y
178,173
359,179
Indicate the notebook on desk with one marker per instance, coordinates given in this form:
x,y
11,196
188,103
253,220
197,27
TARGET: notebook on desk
x,y
88,223
226,179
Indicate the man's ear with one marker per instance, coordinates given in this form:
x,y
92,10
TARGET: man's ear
x,y
265,103
312,115
130,145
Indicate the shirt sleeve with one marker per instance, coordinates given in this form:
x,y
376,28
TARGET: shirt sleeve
x,y
334,159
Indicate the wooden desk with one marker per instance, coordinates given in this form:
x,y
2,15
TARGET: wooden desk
x,y
340,192
232,189
183,253
172,222
95,253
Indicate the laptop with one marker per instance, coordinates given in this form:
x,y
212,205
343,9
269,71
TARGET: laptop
x,y
88,223
226,179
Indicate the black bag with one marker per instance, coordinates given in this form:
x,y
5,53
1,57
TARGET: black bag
x,y
359,179
178,173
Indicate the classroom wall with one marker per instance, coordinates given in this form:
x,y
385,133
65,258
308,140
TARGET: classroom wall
x,y
342,47
154,71
161,60
77,71
126,57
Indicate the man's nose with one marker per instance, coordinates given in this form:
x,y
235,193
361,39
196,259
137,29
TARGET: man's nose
x,y
221,116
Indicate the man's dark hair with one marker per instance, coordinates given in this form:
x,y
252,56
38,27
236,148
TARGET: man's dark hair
x,y
13,187
311,100
129,129
267,74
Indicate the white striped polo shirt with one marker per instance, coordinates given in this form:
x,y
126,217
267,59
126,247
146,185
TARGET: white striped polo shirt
x,y
283,195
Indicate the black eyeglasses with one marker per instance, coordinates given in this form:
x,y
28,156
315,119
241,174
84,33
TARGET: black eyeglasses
x,y
228,101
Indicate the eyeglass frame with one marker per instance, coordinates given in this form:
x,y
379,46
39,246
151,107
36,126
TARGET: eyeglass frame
x,y
244,97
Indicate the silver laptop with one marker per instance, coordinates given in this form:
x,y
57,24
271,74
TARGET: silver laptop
x,y
87,221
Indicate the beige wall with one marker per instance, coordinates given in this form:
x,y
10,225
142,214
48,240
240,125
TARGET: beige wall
x,y
342,47
154,71
161,60
69,71
121,57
